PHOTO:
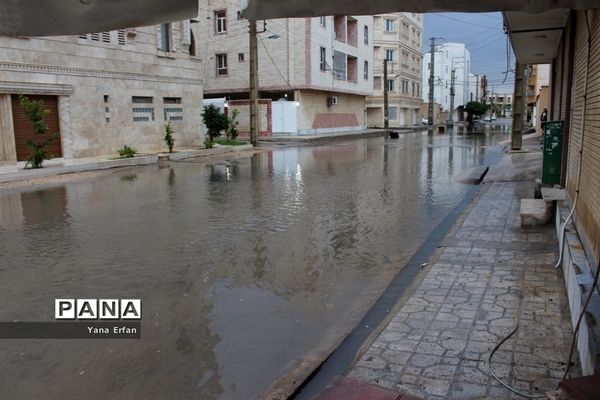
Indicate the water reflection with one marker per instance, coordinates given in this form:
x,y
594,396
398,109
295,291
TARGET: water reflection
x,y
244,266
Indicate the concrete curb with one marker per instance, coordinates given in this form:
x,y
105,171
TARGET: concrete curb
x,y
323,138
101,164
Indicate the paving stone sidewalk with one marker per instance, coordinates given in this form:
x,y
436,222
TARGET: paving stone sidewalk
x,y
491,273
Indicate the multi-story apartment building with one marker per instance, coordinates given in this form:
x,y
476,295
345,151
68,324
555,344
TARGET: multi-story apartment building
x,y
104,90
314,73
475,90
450,58
397,39
538,92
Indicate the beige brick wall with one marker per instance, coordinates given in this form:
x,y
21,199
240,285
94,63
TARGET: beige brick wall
x,y
87,70
314,111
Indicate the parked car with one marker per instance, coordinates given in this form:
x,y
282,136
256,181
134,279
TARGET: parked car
x,y
488,118
424,121
493,117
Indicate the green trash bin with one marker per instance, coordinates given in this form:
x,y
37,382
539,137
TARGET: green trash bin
x,y
553,142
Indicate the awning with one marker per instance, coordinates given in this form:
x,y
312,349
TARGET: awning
x,y
69,17
268,9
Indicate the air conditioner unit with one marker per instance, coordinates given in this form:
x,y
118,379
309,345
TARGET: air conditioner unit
x,y
332,100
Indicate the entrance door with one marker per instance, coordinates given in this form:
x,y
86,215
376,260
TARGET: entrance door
x,y
284,116
24,127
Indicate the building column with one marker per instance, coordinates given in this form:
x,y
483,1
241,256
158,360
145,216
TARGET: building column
x,y
519,105
66,132
8,150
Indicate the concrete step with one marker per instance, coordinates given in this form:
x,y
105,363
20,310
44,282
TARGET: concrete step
x,y
535,212
553,194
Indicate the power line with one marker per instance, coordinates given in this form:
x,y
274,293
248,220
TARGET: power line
x,y
463,21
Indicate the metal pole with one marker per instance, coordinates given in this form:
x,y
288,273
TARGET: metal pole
x,y
386,120
431,82
518,108
254,120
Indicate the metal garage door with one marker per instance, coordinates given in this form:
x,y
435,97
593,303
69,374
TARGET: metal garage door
x,y
24,128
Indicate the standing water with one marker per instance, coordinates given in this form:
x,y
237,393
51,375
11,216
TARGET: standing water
x,y
246,268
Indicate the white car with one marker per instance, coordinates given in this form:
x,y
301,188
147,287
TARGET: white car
x,y
487,118
493,117
424,121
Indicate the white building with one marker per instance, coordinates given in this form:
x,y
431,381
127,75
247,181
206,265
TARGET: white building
x,y
104,90
450,58
314,73
397,39
475,91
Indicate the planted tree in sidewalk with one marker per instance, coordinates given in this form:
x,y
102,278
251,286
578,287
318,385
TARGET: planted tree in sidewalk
x,y
232,129
169,139
474,108
37,113
216,122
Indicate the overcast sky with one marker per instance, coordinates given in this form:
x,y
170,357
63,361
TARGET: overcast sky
x,y
485,39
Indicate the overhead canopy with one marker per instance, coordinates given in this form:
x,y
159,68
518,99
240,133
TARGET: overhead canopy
x,y
268,9
535,37
69,17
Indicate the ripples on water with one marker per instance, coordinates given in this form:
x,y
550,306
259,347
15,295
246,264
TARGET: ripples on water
x,y
244,266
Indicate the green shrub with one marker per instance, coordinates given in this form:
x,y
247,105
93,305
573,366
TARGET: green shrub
x,y
127,152
36,113
229,142
232,128
169,139
215,120
208,143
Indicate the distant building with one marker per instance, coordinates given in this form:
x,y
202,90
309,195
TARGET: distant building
x,y
538,92
475,92
397,38
314,73
104,90
449,57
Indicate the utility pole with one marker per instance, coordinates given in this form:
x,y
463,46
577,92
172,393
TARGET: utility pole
x,y
516,141
450,122
431,82
254,120
386,120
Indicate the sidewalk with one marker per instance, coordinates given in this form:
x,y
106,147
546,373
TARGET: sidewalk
x,y
488,275
60,166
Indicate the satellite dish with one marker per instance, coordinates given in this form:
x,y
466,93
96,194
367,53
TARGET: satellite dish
x,y
71,17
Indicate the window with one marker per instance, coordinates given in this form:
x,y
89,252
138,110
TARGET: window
x,y
366,34
404,86
221,21
172,109
323,63
323,21
413,89
389,55
221,64
418,89
405,29
377,83
192,44
389,25
392,113
241,57
239,16
106,37
390,85
366,70
143,109
165,38
121,39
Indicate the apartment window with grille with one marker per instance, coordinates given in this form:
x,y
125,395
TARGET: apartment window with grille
x,y
241,57
95,37
390,85
121,39
389,55
323,21
389,25
221,64
221,21
366,70
366,34
172,109
143,108
165,38
392,113
323,55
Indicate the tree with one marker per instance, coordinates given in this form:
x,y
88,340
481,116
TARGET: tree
x,y
475,108
36,113
232,129
169,139
216,122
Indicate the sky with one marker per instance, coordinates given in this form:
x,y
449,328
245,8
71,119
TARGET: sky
x,y
485,39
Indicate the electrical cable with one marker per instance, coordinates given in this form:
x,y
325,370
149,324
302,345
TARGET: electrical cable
x,y
491,371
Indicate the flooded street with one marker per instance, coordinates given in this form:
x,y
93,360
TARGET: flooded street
x,y
245,267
